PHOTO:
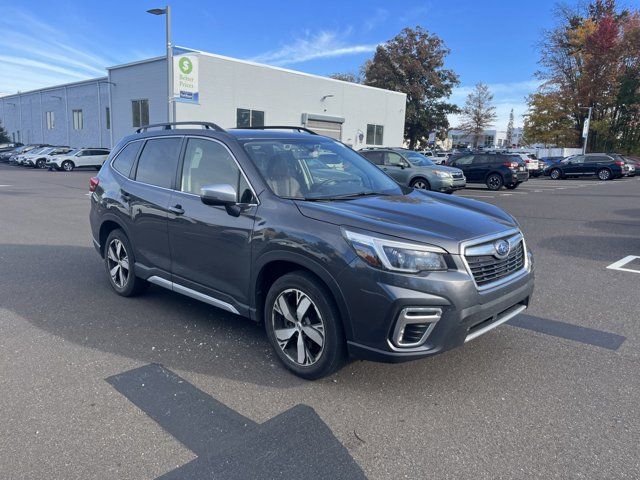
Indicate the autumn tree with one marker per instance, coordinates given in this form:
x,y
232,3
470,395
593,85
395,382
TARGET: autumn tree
x,y
549,120
347,77
592,59
478,112
413,63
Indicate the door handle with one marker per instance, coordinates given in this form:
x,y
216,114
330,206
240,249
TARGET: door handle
x,y
177,209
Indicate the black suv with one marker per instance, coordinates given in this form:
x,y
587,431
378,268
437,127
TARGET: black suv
x,y
600,165
299,232
495,170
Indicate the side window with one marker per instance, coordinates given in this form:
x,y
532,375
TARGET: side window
x,y
377,158
394,159
578,159
468,160
126,157
208,163
158,161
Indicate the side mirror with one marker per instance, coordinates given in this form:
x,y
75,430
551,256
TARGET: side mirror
x,y
220,194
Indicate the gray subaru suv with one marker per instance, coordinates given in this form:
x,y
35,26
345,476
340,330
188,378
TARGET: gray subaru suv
x,y
415,170
302,234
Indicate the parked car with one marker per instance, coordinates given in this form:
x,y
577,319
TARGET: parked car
x,y
631,165
534,166
16,154
81,157
439,158
39,157
415,170
600,165
495,170
358,265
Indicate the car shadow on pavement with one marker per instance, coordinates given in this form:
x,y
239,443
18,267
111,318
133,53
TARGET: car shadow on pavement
x,y
63,290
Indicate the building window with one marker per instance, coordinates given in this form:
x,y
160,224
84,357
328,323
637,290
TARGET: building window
x,y
249,118
488,140
108,122
51,120
375,134
78,123
140,112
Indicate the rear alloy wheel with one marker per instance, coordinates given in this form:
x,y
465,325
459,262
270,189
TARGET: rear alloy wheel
x,y
119,262
304,326
421,184
67,165
41,163
494,182
555,174
604,174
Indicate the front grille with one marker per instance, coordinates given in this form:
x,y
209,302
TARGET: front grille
x,y
487,269
457,176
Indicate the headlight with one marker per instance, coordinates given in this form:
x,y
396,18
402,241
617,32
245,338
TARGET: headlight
x,y
442,174
396,256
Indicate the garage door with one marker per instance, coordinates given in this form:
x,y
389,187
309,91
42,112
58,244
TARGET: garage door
x,y
323,127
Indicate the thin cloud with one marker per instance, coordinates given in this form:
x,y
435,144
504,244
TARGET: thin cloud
x,y
321,45
37,54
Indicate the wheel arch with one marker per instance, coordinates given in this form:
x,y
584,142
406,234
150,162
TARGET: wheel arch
x,y
109,224
419,176
273,265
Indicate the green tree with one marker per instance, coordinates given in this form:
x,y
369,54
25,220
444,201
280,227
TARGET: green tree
x,y
4,137
413,63
509,138
549,121
347,77
478,112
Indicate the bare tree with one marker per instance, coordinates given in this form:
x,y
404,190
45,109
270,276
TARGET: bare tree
x,y
478,112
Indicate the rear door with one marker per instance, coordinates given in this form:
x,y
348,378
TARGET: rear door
x,y
149,196
210,249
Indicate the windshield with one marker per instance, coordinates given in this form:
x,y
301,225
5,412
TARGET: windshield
x,y
316,169
418,159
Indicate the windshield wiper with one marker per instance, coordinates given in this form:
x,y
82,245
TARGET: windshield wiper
x,y
344,197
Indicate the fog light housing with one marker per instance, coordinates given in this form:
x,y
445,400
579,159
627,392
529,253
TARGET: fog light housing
x,y
414,325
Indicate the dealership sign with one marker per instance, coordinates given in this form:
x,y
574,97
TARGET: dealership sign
x,y
185,78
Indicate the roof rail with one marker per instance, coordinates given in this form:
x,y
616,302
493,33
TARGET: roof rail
x,y
170,125
280,127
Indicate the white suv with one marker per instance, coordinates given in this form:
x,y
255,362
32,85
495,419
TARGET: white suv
x,y
533,165
82,157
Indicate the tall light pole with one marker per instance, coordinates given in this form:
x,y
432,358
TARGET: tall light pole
x,y
585,130
167,12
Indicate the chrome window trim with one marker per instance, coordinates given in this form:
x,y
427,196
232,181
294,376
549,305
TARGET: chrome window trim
x,y
508,234
176,287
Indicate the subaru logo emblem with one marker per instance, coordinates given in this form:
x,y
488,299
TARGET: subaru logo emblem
x,y
502,248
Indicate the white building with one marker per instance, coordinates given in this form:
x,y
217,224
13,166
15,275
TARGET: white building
x,y
232,93
490,138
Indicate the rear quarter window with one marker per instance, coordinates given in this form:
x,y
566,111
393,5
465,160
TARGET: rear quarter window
x,y
124,161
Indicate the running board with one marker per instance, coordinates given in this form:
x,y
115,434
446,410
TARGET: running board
x,y
176,287
499,321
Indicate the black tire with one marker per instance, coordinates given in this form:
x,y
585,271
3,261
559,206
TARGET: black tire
x,y
495,182
333,353
133,285
555,174
604,174
40,163
420,184
67,165
513,186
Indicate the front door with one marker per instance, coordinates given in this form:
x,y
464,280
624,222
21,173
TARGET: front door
x,y
210,249
397,167
575,166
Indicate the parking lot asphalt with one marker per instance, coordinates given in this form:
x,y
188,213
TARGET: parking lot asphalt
x,y
554,394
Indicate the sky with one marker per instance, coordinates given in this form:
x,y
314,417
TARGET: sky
x,y
45,43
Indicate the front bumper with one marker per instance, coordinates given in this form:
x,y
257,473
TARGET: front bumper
x,y
449,184
465,310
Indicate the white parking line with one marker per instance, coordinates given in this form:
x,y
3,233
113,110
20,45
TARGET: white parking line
x,y
6,185
621,263
476,196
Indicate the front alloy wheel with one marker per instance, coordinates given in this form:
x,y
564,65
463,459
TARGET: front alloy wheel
x,y
420,184
555,174
118,263
67,166
298,327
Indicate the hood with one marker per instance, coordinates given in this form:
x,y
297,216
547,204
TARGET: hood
x,y
424,217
